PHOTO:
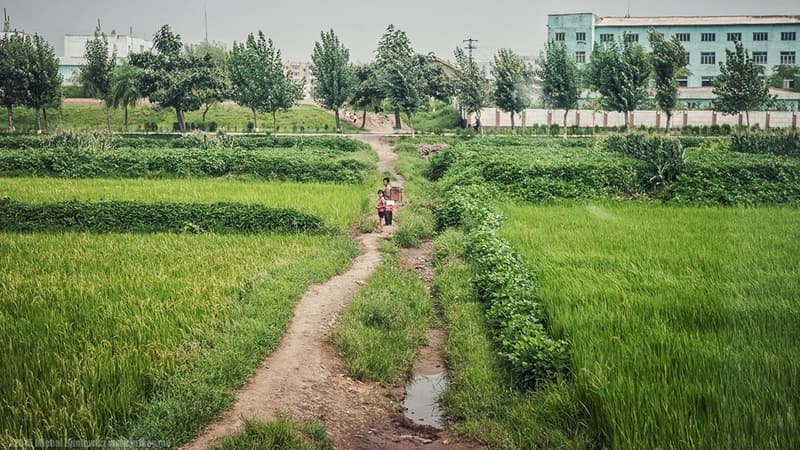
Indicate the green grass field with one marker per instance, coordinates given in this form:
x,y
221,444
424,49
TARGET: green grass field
x,y
683,322
340,205
229,117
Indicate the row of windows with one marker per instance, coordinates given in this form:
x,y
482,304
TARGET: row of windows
x,y
788,83
787,58
687,37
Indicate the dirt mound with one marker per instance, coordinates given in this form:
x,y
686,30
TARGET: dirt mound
x,y
428,151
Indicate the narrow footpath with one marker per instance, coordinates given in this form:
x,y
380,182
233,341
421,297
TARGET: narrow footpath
x,y
305,377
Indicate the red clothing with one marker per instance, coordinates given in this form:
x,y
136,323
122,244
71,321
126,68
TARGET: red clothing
x,y
381,205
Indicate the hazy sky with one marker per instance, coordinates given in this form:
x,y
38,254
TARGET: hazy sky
x,y
294,25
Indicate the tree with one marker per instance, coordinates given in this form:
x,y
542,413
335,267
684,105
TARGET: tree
x,y
668,58
512,83
560,80
95,76
14,73
258,80
125,88
472,87
401,77
173,78
785,72
45,82
740,85
331,67
220,87
620,74
367,95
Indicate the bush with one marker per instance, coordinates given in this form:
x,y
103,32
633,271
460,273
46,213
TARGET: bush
x,y
138,217
778,144
664,156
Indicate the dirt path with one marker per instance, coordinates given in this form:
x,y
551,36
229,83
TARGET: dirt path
x,y
305,377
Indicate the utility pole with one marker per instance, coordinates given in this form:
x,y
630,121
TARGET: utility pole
x,y
470,45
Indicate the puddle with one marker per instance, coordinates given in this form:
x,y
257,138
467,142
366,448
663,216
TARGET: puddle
x,y
420,404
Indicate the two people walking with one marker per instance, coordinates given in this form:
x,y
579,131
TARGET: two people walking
x,y
385,206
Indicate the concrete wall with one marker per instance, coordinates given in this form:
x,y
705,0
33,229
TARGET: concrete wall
x,y
493,117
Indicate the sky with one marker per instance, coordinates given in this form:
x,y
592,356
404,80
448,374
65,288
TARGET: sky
x,y
437,26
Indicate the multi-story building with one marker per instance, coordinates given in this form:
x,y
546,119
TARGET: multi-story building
x,y
300,72
771,40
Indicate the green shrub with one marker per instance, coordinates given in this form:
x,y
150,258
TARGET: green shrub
x,y
778,144
664,156
138,217
416,225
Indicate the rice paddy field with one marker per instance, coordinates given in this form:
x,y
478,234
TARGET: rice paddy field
x,y
683,322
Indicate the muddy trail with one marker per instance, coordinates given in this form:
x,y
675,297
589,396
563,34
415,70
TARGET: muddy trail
x,y
305,377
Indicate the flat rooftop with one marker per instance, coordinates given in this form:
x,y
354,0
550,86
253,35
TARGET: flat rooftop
x,y
695,20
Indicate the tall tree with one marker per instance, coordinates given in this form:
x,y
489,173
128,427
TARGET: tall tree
x,y
220,87
620,74
258,80
512,83
472,86
335,80
668,58
740,85
14,73
125,88
401,77
95,76
173,78
45,81
560,79
367,95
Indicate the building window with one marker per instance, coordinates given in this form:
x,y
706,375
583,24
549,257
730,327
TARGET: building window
x,y
788,83
760,57
580,57
631,37
580,36
788,36
560,36
686,58
682,81
707,81
760,36
606,37
787,58
708,37
708,58
735,37
683,37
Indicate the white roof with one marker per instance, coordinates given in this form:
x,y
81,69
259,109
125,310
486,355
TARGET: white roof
x,y
695,20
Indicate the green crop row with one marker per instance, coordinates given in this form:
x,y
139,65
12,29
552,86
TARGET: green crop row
x,y
664,156
776,144
81,163
109,141
139,217
505,286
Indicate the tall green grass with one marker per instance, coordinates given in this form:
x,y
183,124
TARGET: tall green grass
x,y
683,322
142,336
281,433
339,204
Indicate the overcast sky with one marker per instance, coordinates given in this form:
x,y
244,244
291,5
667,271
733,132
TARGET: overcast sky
x,y
432,25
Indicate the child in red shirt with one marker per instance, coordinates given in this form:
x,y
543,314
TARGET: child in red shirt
x,y
381,207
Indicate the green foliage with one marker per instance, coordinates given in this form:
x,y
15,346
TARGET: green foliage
x,y
620,74
512,82
739,86
785,72
665,157
472,85
138,217
777,144
125,88
560,79
14,73
399,72
668,59
95,76
367,92
384,325
335,78
417,224
281,433
192,162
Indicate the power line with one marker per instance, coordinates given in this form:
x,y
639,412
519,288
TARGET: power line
x,y
470,46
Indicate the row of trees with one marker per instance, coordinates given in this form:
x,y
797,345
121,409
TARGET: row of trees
x,y
621,74
28,75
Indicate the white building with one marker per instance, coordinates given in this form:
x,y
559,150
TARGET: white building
x,y
300,72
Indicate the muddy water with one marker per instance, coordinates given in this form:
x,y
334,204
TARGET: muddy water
x,y
421,403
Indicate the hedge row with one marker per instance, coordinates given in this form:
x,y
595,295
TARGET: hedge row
x,y
179,163
138,217
776,144
505,286
664,156
106,141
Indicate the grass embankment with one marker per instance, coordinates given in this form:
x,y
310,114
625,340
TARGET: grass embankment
x,y
228,117
339,205
385,324
143,336
415,222
282,433
682,322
